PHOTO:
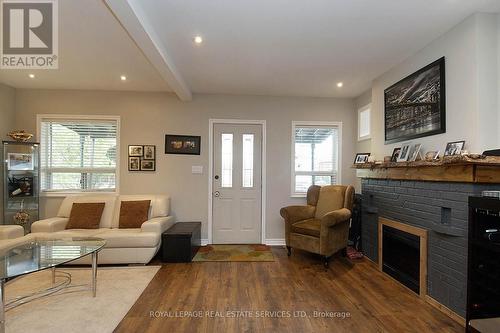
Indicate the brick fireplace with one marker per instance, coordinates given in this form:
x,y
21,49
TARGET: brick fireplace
x,y
440,207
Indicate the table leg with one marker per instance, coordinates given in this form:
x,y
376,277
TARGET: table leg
x,y
94,273
53,275
2,306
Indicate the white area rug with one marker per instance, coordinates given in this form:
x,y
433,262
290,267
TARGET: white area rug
x,y
117,290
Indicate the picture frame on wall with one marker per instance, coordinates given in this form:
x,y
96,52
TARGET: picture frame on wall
x,y
149,152
134,163
134,150
148,165
182,144
142,158
416,105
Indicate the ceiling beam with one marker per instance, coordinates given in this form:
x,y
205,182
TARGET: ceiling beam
x,y
142,33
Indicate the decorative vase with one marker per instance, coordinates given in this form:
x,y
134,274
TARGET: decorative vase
x,y
22,217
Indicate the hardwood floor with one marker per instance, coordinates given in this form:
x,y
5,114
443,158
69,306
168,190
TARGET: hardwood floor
x,y
370,301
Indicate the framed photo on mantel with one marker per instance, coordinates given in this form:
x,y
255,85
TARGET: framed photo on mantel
x,y
415,106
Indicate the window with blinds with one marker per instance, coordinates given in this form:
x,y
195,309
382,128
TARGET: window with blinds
x,y
78,155
315,148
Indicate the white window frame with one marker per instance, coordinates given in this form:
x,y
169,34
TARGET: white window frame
x,y
367,107
336,124
40,117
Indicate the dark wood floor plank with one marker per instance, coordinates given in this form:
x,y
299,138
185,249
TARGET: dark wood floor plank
x,y
293,284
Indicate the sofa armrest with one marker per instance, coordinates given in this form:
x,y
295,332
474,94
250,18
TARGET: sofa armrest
x,y
292,214
50,225
336,217
11,231
158,224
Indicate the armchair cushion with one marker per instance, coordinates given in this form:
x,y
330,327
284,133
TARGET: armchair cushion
x,y
330,198
335,217
292,214
311,227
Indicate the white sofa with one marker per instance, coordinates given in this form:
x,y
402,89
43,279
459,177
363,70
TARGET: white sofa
x,y
123,246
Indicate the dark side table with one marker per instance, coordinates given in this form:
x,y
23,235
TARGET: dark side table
x,y
181,242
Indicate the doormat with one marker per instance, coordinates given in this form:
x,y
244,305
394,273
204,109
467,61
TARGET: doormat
x,y
252,252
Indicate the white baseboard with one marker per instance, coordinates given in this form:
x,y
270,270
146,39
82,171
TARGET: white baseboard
x,y
275,241
269,241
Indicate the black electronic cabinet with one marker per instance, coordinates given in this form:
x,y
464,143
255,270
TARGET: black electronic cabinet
x,y
483,278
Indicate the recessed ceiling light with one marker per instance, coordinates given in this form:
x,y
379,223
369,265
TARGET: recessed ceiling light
x,y
198,40
32,76
340,84
123,78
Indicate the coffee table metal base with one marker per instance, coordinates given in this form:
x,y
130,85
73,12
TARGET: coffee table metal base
x,y
64,284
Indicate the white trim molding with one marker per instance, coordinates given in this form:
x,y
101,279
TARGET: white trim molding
x,y
211,123
40,117
275,242
367,107
330,124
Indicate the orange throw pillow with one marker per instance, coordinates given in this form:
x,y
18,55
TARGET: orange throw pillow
x,y
134,213
85,215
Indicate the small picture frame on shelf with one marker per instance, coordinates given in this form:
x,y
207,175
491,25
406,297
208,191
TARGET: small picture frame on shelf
x,y
395,154
137,151
134,163
148,165
416,155
454,148
404,153
361,158
149,152
19,162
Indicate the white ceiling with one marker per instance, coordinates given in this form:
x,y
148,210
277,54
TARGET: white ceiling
x,y
94,50
259,47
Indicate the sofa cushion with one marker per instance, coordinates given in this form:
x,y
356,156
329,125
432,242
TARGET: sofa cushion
x,y
107,214
129,238
133,213
160,205
85,215
309,227
77,233
331,198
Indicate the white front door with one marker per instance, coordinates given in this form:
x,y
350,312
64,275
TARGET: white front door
x,y
237,192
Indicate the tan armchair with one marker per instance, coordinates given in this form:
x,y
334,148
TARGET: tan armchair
x,y
322,226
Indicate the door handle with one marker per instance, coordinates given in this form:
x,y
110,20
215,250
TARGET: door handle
x,y
216,177
216,194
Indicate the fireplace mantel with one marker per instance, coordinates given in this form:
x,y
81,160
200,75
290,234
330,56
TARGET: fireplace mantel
x,y
464,171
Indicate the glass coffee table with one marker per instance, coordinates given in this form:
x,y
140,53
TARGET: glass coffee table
x,y
37,255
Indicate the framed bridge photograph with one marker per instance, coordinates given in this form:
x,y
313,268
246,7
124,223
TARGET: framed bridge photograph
x,y
415,106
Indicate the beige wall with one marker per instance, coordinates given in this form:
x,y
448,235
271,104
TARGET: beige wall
x,y
7,109
147,117
471,90
363,146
